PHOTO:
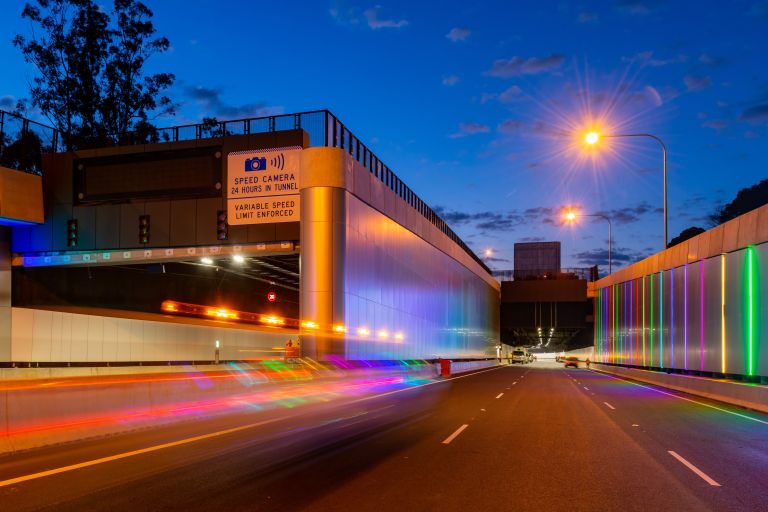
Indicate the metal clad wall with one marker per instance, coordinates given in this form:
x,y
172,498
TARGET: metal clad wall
x,y
398,284
707,315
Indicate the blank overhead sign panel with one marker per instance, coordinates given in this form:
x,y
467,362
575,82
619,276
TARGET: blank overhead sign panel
x,y
263,186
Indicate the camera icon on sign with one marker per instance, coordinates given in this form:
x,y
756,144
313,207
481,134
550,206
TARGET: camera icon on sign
x,y
256,163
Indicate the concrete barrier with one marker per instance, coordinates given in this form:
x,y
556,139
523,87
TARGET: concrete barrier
x,y
751,396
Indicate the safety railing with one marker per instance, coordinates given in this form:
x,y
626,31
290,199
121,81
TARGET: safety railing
x,y
585,273
23,142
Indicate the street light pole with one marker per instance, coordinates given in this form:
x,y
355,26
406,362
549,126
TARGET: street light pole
x,y
600,215
664,154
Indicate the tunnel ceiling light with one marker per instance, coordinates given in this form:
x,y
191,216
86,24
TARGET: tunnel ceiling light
x,y
238,258
339,328
399,336
362,331
206,261
309,324
383,334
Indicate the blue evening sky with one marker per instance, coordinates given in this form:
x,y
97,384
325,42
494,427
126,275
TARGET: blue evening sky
x,y
479,106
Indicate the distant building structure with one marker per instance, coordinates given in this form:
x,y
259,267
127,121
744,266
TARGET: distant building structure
x,y
536,258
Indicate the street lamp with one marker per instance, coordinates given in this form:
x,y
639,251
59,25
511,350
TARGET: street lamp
x,y
593,138
571,216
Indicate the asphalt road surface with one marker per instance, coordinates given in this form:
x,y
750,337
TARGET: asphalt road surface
x,y
535,437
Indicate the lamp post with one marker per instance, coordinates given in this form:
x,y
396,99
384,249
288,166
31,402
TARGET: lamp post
x,y
572,215
593,138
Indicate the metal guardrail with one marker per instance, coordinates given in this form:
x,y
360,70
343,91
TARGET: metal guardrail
x,y
585,273
23,142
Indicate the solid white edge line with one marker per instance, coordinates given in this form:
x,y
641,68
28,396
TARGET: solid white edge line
x,y
693,468
500,395
79,465
609,406
455,434
682,398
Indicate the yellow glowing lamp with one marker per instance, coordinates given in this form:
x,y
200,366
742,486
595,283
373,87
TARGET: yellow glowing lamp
x,y
363,331
309,324
570,216
339,328
592,138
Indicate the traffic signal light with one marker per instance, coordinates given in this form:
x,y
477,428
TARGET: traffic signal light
x,y
72,233
222,229
144,229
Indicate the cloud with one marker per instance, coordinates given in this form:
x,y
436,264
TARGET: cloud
x,y
587,17
646,58
637,6
600,256
516,66
470,129
451,80
375,22
457,34
697,83
718,124
509,126
630,214
487,96
7,102
757,114
709,60
510,94
209,99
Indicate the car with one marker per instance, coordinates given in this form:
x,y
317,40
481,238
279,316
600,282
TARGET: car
x,y
571,361
518,356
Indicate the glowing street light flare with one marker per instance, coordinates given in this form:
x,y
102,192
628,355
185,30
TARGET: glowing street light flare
x,y
383,334
238,258
309,324
399,336
488,253
592,138
339,328
206,261
362,331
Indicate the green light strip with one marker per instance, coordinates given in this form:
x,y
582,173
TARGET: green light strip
x,y
751,314
650,324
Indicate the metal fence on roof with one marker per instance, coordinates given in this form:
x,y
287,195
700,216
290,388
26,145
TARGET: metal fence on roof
x,y
23,142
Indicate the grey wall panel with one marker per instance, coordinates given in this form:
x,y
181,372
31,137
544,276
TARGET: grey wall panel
x,y
206,220
159,223
86,218
108,227
58,215
287,230
129,225
261,233
183,214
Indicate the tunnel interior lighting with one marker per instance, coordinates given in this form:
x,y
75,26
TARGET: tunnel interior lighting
x,y
383,334
272,320
399,336
238,258
362,331
206,261
222,313
339,328
309,324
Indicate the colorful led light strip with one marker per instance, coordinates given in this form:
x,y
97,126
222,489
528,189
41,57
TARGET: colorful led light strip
x,y
701,315
643,278
750,314
661,319
722,310
650,322
685,316
672,318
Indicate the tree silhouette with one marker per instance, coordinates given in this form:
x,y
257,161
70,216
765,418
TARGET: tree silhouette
x,y
91,85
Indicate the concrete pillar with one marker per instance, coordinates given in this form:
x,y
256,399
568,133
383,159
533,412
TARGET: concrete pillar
x,y
322,269
5,294
322,242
